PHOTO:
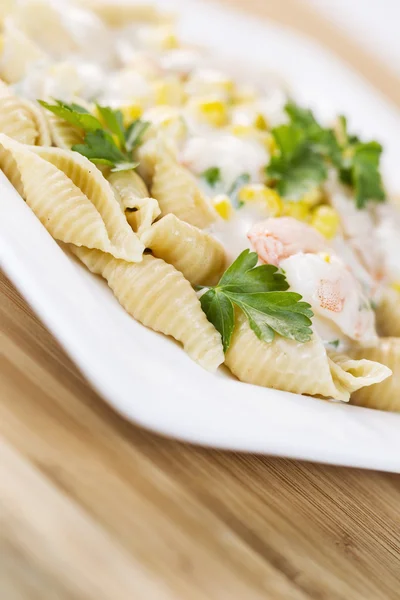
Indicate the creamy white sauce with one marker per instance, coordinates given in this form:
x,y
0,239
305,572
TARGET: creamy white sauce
x,y
233,233
388,238
47,81
232,155
181,61
359,226
125,87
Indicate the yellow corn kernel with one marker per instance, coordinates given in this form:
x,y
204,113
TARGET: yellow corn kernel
x,y
242,130
169,120
325,256
213,111
313,198
210,83
170,42
396,286
245,94
260,122
223,206
169,92
269,142
131,112
257,192
298,210
325,220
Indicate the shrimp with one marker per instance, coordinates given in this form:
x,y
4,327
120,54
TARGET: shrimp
x,y
336,297
278,238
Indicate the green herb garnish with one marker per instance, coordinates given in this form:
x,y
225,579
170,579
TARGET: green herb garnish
x,y
334,343
212,176
361,170
233,191
260,292
306,150
107,141
298,168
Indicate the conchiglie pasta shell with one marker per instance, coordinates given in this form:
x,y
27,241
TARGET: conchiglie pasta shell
x,y
133,196
388,313
67,214
43,137
177,192
129,187
193,252
21,119
158,296
386,395
16,121
291,366
351,374
146,155
63,134
19,53
10,169
91,182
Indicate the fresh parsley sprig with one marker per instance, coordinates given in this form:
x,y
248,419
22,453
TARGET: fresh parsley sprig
x,y
212,176
260,292
298,167
360,166
305,150
107,141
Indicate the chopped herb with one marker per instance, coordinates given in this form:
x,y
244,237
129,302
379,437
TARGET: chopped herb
x,y
74,114
114,121
212,176
334,343
297,168
134,134
365,174
260,292
106,140
235,188
306,149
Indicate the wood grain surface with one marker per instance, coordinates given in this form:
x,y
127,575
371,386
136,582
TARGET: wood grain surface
x,y
93,508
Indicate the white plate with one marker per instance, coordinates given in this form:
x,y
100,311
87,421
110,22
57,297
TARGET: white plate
x,y
147,377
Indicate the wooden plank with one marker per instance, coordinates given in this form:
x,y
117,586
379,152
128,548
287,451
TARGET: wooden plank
x,y
208,524
50,548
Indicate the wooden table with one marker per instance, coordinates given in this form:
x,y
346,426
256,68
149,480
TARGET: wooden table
x,y
93,508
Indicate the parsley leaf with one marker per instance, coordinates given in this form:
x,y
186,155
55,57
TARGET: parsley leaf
x,y
134,134
212,176
106,141
260,292
219,311
99,147
74,114
322,140
366,177
298,168
306,149
114,121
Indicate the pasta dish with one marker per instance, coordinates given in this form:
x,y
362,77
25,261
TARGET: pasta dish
x,y
219,211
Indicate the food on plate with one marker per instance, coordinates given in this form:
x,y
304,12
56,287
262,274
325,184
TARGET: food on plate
x,y
219,211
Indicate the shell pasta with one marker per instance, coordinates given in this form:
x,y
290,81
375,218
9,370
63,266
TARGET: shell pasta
x,y
219,212
158,296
